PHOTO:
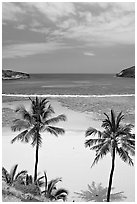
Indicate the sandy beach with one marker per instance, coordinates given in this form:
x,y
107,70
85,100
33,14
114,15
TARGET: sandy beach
x,y
66,156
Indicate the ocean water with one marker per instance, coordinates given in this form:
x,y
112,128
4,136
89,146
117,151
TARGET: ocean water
x,y
70,84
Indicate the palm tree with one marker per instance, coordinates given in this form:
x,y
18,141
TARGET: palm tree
x,y
11,177
97,193
51,192
116,139
37,120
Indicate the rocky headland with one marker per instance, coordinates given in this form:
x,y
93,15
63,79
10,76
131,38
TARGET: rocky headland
x,y
129,72
10,75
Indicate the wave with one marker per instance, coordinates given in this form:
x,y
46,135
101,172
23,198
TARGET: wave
x,y
68,96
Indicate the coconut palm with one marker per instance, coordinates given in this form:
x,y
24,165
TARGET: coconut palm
x,y
37,120
51,192
11,177
97,193
116,139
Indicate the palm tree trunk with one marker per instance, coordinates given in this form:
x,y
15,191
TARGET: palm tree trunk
x,y
111,175
36,163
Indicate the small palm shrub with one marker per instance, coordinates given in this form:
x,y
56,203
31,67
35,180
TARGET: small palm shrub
x,y
31,188
51,192
11,177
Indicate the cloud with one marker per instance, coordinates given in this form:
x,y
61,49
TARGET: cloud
x,y
10,11
93,24
21,27
115,25
54,10
23,50
89,54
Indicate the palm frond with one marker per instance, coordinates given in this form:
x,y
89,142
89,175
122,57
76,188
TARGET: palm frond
x,y
20,136
13,171
120,117
129,148
61,194
62,197
21,174
5,175
97,147
44,101
24,113
107,122
52,184
40,178
38,182
125,130
104,148
29,135
54,130
100,153
61,191
19,124
91,131
124,156
56,119
130,142
48,112
90,142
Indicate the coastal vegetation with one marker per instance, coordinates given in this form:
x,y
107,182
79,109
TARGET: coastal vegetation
x,y
115,139
24,186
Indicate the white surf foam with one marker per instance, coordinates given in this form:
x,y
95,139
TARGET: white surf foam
x,y
68,96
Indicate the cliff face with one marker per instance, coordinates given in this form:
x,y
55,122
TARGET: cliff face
x,y
9,74
129,72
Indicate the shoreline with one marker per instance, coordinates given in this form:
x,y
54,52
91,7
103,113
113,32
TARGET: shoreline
x,y
65,96
95,106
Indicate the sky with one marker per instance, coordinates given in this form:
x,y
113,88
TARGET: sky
x,y
68,37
